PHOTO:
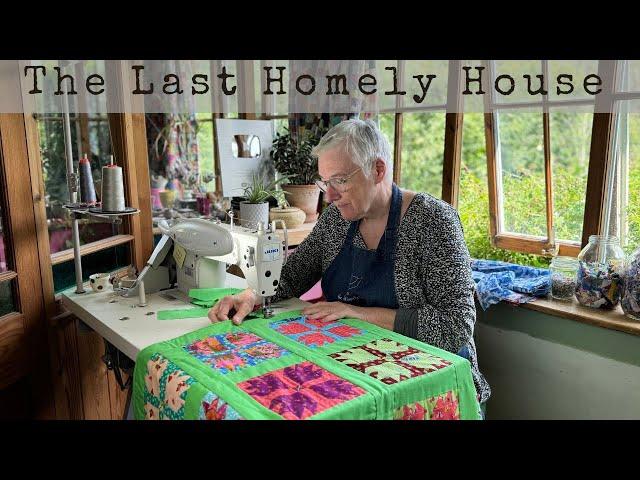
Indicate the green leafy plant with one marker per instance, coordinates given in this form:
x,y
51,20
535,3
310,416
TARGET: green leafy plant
x,y
259,191
292,158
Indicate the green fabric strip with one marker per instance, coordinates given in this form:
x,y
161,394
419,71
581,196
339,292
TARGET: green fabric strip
x,y
183,313
212,294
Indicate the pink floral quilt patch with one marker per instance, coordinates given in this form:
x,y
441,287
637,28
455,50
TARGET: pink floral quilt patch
x,y
315,333
229,352
440,407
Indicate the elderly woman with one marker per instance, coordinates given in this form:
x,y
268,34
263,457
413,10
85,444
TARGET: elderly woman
x,y
388,256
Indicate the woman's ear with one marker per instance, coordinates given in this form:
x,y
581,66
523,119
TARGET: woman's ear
x,y
380,170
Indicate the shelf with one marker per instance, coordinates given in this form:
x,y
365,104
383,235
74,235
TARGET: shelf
x,y
66,255
613,319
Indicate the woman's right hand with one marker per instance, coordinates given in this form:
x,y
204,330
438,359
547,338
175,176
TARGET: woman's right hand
x,y
241,303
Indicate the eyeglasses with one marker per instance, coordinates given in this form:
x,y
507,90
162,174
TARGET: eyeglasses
x,y
339,184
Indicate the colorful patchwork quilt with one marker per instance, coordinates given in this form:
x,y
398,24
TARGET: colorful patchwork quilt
x,y
291,367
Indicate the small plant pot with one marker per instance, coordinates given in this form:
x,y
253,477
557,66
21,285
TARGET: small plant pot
x,y
252,213
305,197
293,217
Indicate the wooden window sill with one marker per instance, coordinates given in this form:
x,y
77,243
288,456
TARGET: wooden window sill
x,y
613,319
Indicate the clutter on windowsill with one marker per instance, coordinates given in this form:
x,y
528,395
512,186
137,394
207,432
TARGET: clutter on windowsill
x,y
531,288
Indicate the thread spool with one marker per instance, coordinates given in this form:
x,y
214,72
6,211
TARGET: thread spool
x,y
87,189
112,188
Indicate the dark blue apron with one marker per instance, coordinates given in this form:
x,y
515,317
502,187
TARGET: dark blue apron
x,y
365,278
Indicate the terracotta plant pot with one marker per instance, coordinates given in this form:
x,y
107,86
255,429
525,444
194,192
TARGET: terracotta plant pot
x,y
305,197
293,217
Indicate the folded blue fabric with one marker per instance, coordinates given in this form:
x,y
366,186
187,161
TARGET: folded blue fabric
x,y
497,281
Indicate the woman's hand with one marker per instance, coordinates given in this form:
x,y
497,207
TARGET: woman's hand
x,y
329,311
239,305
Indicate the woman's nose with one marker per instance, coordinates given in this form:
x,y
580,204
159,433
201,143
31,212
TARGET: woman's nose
x,y
331,195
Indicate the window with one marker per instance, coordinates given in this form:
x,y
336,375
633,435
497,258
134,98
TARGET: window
x,y
622,199
416,132
90,136
538,159
90,131
7,275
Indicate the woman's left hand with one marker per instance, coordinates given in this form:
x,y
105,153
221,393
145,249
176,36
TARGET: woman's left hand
x,y
329,311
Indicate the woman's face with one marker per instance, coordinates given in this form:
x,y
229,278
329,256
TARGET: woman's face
x,y
355,201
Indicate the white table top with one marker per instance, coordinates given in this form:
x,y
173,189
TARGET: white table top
x,y
143,329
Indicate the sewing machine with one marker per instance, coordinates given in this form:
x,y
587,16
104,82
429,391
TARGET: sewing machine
x,y
195,253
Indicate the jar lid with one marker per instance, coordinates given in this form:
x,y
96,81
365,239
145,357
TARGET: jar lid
x,y
561,261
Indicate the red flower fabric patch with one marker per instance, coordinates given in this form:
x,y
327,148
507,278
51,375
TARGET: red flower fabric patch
x,y
315,333
300,391
440,407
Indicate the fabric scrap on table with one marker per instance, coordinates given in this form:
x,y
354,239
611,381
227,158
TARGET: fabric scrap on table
x,y
204,298
501,281
207,297
182,313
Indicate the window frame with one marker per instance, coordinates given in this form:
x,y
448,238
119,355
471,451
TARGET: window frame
x,y
610,103
521,242
128,140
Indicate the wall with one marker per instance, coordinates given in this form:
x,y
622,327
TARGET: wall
x,y
546,367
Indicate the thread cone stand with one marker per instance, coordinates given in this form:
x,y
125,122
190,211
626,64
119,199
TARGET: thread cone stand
x,y
82,209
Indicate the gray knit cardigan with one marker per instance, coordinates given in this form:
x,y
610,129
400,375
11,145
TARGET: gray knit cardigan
x,y
433,281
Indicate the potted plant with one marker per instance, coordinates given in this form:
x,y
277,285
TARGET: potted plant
x,y
255,208
292,217
293,159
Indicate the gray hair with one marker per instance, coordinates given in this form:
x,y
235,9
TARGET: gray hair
x,y
362,140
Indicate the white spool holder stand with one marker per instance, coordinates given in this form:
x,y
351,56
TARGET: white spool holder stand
x,y
78,211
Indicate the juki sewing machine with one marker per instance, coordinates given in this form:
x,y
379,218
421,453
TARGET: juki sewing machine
x,y
195,253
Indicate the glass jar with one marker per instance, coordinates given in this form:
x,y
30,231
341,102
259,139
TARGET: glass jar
x,y
600,267
631,286
564,271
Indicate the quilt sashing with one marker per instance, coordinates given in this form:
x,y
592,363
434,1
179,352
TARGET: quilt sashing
x,y
166,387
300,391
315,333
390,361
213,407
440,407
232,351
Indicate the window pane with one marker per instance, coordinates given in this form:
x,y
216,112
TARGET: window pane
x,y
423,152
174,158
90,135
387,125
7,304
107,260
625,198
473,200
578,69
570,131
630,81
437,93
521,156
231,100
281,125
515,69
206,152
